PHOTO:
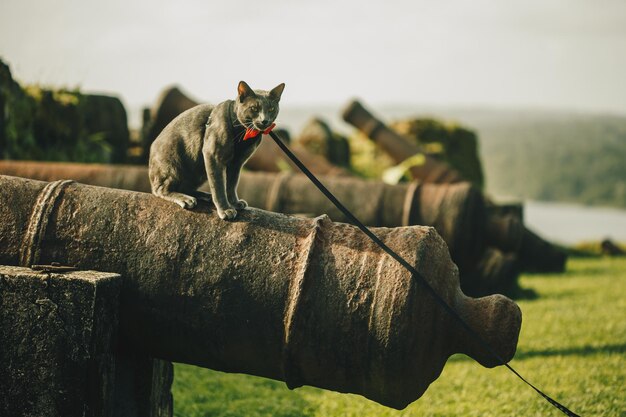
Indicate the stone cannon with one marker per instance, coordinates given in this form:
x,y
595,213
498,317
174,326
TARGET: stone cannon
x,y
56,357
455,210
305,301
267,157
397,147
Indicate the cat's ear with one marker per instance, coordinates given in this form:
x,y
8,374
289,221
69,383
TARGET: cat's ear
x,y
244,91
277,91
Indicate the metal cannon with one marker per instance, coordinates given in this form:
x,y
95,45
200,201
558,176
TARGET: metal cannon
x,y
397,147
305,301
457,211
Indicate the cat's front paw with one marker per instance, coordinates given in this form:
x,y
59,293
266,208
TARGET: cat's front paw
x,y
240,204
228,214
186,201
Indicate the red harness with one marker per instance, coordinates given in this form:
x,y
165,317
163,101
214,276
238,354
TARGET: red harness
x,y
253,133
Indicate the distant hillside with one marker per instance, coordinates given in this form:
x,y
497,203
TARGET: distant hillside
x,y
547,156
570,158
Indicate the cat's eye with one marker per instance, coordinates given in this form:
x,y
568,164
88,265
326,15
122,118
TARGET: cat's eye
x,y
255,108
271,109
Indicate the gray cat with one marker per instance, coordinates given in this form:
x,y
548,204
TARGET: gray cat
x,y
211,142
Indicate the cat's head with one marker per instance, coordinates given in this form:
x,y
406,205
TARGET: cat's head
x,y
257,108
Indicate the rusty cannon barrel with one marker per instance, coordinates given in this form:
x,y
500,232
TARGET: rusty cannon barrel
x,y
125,177
452,209
305,301
455,210
397,147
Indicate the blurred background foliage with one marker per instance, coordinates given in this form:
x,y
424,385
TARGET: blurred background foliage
x,y
447,141
40,123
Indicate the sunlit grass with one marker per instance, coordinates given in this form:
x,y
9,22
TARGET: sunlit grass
x,y
572,345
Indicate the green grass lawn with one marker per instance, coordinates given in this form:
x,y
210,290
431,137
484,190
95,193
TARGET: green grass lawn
x,y
572,346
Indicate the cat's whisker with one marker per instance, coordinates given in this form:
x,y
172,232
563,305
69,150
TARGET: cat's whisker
x,y
240,136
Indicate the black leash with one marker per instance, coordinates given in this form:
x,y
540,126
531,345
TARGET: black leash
x,y
420,279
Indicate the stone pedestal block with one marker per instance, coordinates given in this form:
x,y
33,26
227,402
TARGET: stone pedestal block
x,y
57,333
59,353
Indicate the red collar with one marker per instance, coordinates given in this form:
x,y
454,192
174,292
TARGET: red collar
x,y
253,133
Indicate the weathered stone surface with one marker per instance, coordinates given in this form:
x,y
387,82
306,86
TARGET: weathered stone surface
x,y
58,332
305,301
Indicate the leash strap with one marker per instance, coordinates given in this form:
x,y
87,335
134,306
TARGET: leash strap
x,y
416,275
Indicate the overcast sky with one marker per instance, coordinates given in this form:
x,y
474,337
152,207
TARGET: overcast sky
x,y
518,53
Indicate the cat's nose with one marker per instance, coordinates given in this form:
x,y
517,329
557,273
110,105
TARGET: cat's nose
x,y
266,122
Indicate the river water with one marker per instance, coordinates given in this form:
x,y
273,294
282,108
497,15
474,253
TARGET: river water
x,y
572,223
